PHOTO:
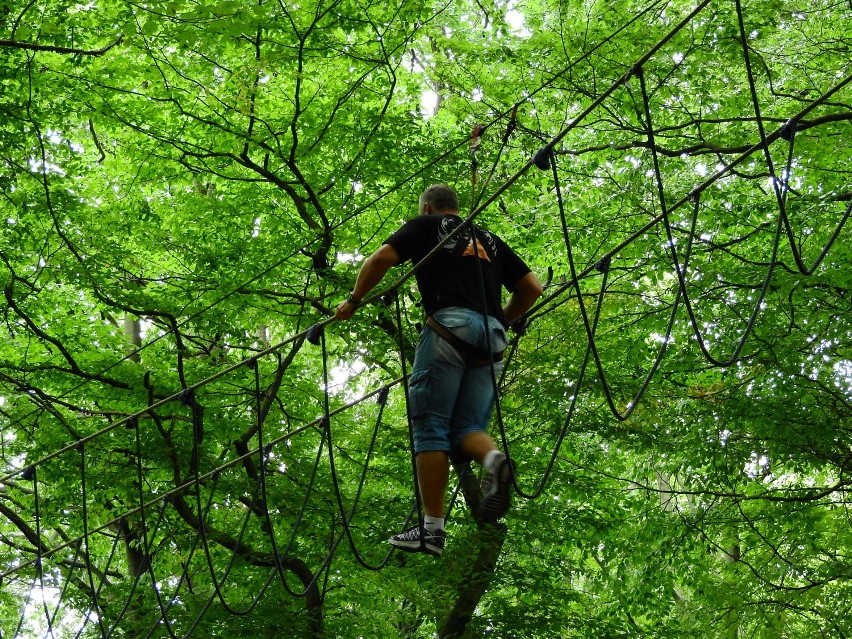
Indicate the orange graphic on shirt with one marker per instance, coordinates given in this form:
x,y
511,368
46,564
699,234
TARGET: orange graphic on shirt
x,y
480,251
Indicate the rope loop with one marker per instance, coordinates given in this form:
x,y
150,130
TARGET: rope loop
x,y
382,397
542,157
314,334
187,397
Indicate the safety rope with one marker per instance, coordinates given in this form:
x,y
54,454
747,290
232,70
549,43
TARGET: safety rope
x,y
87,554
787,131
680,270
346,517
547,159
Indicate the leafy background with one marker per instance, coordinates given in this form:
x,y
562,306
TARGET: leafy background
x,y
189,186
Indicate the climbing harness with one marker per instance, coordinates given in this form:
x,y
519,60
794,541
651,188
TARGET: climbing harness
x,y
473,356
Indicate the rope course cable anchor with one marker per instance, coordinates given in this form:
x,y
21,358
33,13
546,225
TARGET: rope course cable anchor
x,y
314,334
542,158
788,130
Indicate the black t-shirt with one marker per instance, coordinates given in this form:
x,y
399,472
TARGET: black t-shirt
x,y
451,277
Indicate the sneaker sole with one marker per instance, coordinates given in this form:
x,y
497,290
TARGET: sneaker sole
x,y
495,506
414,546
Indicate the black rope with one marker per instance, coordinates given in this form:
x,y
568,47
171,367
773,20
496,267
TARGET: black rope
x,y
26,605
787,131
279,556
87,555
680,271
190,399
165,608
347,517
31,473
418,503
97,592
780,187
147,537
539,490
65,586
488,346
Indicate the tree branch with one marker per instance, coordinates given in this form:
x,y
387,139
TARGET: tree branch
x,y
15,44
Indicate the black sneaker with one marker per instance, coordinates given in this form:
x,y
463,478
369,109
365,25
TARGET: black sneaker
x,y
409,541
495,490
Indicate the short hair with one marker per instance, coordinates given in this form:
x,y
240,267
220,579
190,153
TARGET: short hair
x,y
440,197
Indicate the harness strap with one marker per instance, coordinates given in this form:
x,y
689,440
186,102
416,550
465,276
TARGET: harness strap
x,y
473,356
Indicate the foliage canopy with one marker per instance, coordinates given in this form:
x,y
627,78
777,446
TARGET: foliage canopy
x,y
187,186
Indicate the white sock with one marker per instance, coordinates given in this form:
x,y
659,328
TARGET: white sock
x,y
491,459
433,523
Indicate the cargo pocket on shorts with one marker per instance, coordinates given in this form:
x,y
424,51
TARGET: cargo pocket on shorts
x,y
418,393
499,340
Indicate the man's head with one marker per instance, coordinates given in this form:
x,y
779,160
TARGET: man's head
x,y
439,198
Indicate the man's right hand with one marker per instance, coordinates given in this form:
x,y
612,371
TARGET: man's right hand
x,y
345,310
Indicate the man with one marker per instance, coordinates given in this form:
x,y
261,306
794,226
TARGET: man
x,y
451,388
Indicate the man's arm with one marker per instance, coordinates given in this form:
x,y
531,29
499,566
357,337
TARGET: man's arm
x,y
372,271
527,291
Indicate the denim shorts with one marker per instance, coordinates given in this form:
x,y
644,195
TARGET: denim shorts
x,y
446,400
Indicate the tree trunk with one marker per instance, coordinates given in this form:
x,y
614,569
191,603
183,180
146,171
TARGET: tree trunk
x,y
476,579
